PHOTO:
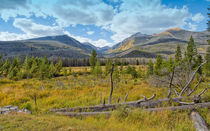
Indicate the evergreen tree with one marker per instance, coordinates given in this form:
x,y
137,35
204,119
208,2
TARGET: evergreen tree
x,y
158,65
170,64
70,70
34,67
108,66
27,66
133,72
6,67
137,62
93,59
207,65
150,67
52,70
128,69
198,62
65,71
178,55
98,69
191,51
58,67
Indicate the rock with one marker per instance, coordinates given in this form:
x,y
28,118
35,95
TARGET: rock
x,y
10,108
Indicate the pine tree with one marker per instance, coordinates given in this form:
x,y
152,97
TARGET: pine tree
x,y
170,65
178,55
191,51
98,69
150,67
137,62
65,71
34,68
58,67
27,66
70,72
93,59
133,72
158,65
52,70
108,66
198,62
6,67
207,65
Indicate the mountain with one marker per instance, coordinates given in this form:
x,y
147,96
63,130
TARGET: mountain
x,y
51,46
163,43
137,45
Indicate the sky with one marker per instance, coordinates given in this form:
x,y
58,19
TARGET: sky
x,y
99,22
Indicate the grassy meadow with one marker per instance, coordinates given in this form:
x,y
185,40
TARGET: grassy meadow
x,y
84,89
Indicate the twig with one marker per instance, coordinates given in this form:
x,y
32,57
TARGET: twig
x,y
202,92
195,86
126,97
190,81
145,99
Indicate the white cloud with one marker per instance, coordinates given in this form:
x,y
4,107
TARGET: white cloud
x,y
192,27
31,28
146,17
90,32
198,17
97,43
6,36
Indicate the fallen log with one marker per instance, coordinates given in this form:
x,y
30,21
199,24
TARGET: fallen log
x,y
172,108
199,123
83,114
183,107
110,107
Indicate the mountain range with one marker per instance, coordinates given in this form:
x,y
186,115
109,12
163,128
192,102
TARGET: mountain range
x,y
137,45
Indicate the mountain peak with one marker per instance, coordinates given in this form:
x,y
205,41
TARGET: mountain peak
x,y
174,29
138,34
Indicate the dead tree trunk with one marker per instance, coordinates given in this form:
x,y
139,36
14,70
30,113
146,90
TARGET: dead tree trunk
x,y
110,97
170,84
199,123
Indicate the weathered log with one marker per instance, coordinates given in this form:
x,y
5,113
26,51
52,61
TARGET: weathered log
x,y
107,113
108,107
183,107
83,114
199,123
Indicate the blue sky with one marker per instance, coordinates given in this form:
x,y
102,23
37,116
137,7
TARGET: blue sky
x,y
100,22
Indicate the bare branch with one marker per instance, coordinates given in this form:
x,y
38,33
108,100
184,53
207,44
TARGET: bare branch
x,y
195,86
145,99
202,92
126,97
186,103
167,82
175,92
190,81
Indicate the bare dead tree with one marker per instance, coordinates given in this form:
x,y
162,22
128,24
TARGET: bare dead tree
x,y
110,97
170,84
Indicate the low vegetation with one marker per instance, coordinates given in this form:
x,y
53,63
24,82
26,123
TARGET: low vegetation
x,y
38,85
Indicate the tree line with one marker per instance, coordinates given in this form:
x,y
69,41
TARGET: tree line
x,y
31,68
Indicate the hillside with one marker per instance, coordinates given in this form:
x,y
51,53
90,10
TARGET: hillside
x,y
58,46
137,45
164,42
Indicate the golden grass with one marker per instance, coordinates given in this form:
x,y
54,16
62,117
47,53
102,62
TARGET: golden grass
x,y
85,90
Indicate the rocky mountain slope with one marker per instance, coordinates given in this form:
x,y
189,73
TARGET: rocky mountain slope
x,y
164,42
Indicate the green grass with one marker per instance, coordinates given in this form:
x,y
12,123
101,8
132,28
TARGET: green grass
x,y
86,90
